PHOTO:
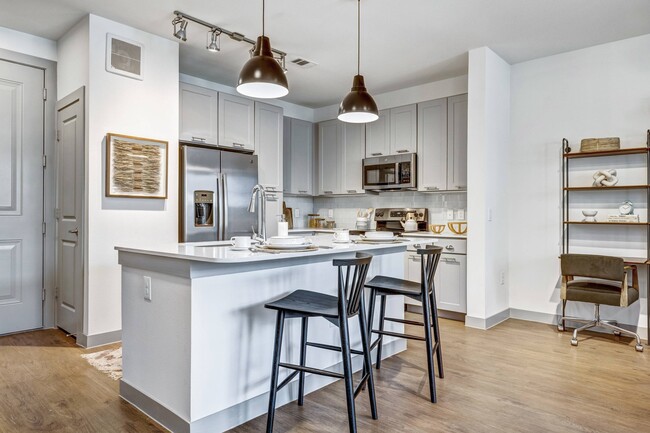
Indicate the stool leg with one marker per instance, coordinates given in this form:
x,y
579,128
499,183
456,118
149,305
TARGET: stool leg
x,y
371,314
277,348
436,333
367,361
303,356
426,305
347,371
382,314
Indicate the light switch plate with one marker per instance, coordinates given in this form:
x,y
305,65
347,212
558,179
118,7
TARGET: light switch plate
x,y
296,213
147,288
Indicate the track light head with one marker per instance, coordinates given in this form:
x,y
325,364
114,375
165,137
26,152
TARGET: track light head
x,y
214,44
181,33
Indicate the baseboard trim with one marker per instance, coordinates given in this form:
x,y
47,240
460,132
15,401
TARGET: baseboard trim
x,y
95,340
443,314
242,412
487,323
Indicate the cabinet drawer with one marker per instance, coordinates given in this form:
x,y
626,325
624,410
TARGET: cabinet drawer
x,y
453,246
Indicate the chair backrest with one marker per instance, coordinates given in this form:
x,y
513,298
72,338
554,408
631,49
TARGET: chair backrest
x,y
352,278
593,266
430,256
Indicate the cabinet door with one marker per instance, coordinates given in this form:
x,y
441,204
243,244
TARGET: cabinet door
x,y
432,145
354,149
403,129
268,144
302,153
198,114
378,135
236,122
329,173
451,283
457,143
412,273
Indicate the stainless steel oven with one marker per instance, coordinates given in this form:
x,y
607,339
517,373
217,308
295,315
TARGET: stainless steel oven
x,y
395,172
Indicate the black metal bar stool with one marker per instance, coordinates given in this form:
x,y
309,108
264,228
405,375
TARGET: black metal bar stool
x,y
336,309
423,292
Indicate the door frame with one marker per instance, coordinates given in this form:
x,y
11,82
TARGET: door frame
x,y
49,176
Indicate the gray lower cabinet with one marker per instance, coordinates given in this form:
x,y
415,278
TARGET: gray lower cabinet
x,y
341,149
298,155
198,114
236,122
442,144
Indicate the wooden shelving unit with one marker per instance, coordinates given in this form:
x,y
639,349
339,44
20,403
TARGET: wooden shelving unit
x,y
567,190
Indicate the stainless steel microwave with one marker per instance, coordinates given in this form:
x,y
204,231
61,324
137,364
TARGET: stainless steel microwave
x,y
394,172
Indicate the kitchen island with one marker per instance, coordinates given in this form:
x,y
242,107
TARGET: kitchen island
x,y
197,355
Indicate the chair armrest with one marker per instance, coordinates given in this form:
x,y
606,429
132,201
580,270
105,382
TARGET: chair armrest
x,y
635,275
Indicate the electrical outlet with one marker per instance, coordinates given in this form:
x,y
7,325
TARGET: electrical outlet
x,y
147,288
450,214
330,213
296,213
502,278
489,214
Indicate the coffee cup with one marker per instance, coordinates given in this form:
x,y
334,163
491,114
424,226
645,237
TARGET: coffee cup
x,y
240,241
342,235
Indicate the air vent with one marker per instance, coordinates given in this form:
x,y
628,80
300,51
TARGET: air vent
x,y
124,57
303,63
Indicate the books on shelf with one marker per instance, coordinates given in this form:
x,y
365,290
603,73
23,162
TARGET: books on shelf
x,y
623,219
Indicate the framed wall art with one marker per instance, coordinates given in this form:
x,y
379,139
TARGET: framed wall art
x,y
136,167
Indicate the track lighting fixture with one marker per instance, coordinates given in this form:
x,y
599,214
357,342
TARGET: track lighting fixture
x,y
214,41
181,33
358,106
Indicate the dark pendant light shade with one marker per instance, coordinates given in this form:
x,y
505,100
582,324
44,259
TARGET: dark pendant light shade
x,y
358,106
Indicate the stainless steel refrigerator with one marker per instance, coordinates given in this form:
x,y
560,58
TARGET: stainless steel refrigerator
x,y
216,187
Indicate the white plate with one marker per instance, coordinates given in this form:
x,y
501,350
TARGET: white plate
x,y
239,248
287,240
288,247
379,235
342,242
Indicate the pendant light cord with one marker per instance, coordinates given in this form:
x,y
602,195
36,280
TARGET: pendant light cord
x,y
358,37
263,3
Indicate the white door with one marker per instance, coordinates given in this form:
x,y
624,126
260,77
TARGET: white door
x,y
378,135
329,138
403,129
21,197
236,122
432,145
354,149
268,144
198,114
70,156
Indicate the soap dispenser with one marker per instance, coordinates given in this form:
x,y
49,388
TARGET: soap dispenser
x,y
283,227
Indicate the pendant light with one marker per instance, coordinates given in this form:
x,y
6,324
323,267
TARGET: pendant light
x,y
262,76
358,106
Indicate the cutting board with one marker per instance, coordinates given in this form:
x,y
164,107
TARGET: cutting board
x,y
288,214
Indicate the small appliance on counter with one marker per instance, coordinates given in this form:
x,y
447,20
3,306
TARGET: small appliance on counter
x,y
396,220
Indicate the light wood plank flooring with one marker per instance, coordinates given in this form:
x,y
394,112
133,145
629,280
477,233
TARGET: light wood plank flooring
x,y
517,377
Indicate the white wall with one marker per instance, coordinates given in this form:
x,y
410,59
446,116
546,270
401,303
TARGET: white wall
x,y
594,92
487,217
410,95
25,43
147,108
289,109
72,54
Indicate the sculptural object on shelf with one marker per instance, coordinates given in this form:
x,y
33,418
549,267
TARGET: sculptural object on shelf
x,y
605,177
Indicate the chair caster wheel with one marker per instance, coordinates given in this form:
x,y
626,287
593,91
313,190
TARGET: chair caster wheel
x,y
617,333
574,342
639,347
560,327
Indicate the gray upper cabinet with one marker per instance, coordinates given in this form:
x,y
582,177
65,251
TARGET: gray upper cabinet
x,y
457,142
298,156
329,155
432,146
236,122
268,144
403,129
198,114
378,135
353,151
442,144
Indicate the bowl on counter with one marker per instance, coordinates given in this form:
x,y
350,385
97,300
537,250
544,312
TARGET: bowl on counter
x,y
286,240
379,235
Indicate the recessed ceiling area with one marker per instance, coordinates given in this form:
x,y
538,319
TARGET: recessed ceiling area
x,y
402,43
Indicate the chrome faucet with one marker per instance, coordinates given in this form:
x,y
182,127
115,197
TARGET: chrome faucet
x,y
259,194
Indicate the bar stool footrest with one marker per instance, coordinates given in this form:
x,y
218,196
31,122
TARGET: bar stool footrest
x,y
287,380
312,370
330,347
404,321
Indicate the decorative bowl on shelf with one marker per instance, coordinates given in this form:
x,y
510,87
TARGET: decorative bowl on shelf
x,y
590,215
458,227
437,228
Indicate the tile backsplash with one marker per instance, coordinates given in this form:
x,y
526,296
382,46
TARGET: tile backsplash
x,y
345,207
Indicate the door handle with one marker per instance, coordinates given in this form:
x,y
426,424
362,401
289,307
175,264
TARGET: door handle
x,y
75,231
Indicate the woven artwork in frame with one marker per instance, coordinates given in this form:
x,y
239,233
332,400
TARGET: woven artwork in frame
x,y
136,167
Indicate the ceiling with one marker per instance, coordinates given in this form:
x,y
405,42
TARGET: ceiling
x,y
404,43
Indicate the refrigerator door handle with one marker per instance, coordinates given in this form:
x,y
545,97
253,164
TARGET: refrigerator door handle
x,y
219,209
224,185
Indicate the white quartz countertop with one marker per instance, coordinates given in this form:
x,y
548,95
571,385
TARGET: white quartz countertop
x,y
223,252
421,234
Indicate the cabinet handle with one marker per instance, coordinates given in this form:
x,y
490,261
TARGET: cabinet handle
x,y
198,139
75,231
352,191
271,198
446,260
302,191
239,145
414,258
402,151
461,187
327,192
450,247
376,154
431,188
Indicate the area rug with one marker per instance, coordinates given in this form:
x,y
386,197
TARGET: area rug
x,y
107,361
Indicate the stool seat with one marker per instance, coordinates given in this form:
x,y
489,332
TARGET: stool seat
x,y
394,286
307,303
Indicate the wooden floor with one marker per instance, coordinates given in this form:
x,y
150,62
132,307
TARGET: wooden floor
x,y
517,377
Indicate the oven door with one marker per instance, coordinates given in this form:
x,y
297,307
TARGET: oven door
x,y
381,176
